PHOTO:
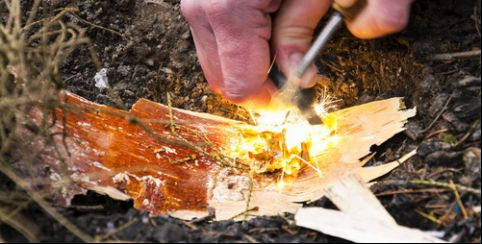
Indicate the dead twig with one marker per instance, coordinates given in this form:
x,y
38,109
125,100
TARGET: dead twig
x,y
467,135
215,154
184,160
451,56
21,225
458,200
250,239
253,209
476,20
411,191
446,185
210,216
45,206
87,208
439,114
248,200
435,133
429,217
96,26
101,238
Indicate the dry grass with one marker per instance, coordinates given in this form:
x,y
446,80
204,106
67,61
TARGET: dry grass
x,y
33,44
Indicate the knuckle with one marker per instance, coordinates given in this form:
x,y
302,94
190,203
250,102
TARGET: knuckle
x,y
220,9
191,10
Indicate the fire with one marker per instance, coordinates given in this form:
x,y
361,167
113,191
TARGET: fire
x,y
284,142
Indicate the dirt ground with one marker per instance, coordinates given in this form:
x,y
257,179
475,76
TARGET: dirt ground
x,y
147,50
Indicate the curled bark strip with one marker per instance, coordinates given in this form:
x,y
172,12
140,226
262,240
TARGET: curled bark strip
x,y
174,161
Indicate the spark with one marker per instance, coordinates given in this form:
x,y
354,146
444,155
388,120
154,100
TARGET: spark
x,y
279,138
307,163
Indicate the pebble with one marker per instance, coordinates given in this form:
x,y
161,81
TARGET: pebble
x,y
149,62
442,157
414,130
476,135
472,162
129,93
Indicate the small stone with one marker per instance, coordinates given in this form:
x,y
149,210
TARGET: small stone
x,y
145,219
476,135
472,163
149,62
413,131
101,80
110,227
129,93
442,157
186,35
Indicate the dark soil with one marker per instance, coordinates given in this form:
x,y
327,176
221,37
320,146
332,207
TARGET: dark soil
x,y
148,51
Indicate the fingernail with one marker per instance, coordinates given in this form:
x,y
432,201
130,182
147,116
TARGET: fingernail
x,y
294,60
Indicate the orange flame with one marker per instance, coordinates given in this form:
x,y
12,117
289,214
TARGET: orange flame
x,y
285,142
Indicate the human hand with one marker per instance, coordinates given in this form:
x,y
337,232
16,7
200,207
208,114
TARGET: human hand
x,y
235,39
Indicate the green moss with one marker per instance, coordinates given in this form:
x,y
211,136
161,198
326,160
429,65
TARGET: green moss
x,y
449,138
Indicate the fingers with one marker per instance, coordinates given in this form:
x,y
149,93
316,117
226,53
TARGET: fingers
x,y
293,33
231,40
205,42
261,100
243,30
379,18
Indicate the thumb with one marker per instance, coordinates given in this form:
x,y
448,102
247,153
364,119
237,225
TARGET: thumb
x,y
380,18
293,30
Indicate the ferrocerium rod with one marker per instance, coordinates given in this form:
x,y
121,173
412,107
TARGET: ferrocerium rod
x,y
330,28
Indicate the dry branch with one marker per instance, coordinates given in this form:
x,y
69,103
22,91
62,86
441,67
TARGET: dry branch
x,y
451,56
32,48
